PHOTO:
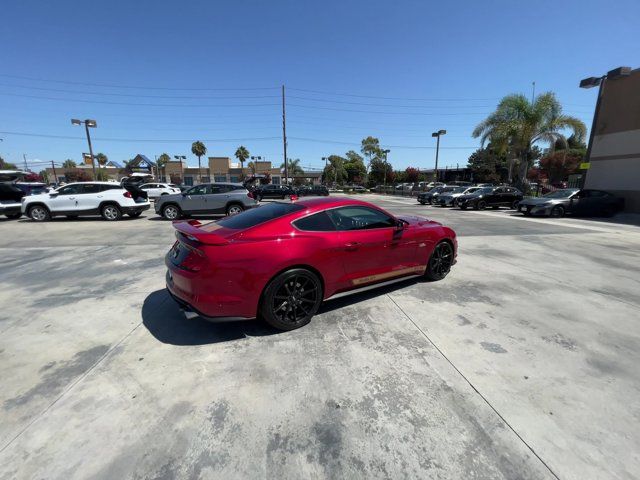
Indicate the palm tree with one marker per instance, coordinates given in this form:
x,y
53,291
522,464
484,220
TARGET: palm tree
x,y
242,154
162,161
198,149
68,164
293,165
102,159
517,124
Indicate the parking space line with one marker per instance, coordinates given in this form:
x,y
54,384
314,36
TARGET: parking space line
x,y
504,420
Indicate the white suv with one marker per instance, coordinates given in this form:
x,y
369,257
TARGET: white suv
x,y
108,199
155,190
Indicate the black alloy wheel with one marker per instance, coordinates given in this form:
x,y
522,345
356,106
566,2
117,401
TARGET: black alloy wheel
x,y
291,299
557,211
480,205
462,207
440,262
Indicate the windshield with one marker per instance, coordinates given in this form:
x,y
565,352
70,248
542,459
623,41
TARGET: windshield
x,y
259,215
458,190
561,193
483,190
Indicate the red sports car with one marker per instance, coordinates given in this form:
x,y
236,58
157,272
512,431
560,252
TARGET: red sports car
x,y
280,261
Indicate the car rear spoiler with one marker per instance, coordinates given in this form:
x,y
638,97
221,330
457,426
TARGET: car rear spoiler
x,y
195,231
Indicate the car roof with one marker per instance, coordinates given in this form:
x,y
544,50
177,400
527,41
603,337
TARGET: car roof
x,y
92,183
330,202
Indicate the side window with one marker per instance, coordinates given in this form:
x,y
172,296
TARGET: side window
x,y
318,222
69,190
225,188
198,190
360,218
113,186
215,189
90,188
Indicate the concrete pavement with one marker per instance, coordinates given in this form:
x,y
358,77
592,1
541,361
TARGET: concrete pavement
x,y
520,364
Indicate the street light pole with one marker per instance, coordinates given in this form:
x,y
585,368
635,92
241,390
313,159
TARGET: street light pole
x,y
385,167
88,123
437,134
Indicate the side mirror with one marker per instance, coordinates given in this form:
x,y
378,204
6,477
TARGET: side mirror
x,y
400,225
53,193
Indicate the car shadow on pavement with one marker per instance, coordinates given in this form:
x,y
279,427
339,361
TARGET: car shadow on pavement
x,y
166,322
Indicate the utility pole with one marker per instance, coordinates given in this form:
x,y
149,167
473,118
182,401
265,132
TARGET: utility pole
x,y
533,92
55,175
26,168
284,140
93,124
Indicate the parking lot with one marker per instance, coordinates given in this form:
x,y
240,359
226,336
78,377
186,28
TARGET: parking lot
x,y
522,363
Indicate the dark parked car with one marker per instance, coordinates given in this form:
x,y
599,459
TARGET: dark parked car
x,y
494,197
273,191
573,201
10,200
431,195
315,190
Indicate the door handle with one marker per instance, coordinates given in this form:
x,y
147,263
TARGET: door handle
x,y
72,198
352,246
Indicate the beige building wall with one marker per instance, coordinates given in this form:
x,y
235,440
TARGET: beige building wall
x,y
615,152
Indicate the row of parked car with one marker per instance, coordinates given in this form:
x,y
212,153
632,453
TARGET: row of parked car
x,y
113,200
558,203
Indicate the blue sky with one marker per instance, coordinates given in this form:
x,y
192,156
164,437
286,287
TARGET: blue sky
x,y
158,75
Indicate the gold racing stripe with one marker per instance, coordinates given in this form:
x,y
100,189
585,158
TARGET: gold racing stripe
x,y
419,269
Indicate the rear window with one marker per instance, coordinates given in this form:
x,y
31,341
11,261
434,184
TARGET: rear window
x,y
259,215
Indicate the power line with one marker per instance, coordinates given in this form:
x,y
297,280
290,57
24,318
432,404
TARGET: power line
x,y
136,95
425,147
386,113
105,102
137,87
157,140
432,99
387,104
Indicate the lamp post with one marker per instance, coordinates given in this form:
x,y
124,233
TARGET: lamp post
x,y
87,125
438,134
385,167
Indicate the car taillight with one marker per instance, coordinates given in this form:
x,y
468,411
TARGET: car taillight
x,y
250,195
127,194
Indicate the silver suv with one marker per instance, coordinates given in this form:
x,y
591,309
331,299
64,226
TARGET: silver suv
x,y
207,198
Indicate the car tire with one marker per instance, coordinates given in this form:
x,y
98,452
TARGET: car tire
x,y
557,211
13,216
481,205
134,214
440,262
39,213
462,207
514,204
234,209
299,288
171,212
421,202
111,212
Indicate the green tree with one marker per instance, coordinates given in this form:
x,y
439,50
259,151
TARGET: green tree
x,y
354,165
242,154
488,166
380,171
67,164
370,148
161,163
517,124
198,149
293,165
102,175
6,165
335,171
102,159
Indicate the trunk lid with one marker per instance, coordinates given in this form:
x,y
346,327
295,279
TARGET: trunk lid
x,y
208,234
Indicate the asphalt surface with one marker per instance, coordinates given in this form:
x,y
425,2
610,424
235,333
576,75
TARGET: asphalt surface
x,y
522,363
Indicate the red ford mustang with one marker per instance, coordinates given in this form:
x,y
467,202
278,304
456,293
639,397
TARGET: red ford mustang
x,y
280,261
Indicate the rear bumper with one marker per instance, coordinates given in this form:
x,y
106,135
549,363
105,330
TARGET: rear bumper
x,y
183,286
10,208
534,209
136,208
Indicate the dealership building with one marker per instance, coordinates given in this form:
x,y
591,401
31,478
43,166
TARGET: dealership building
x,y
614,153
